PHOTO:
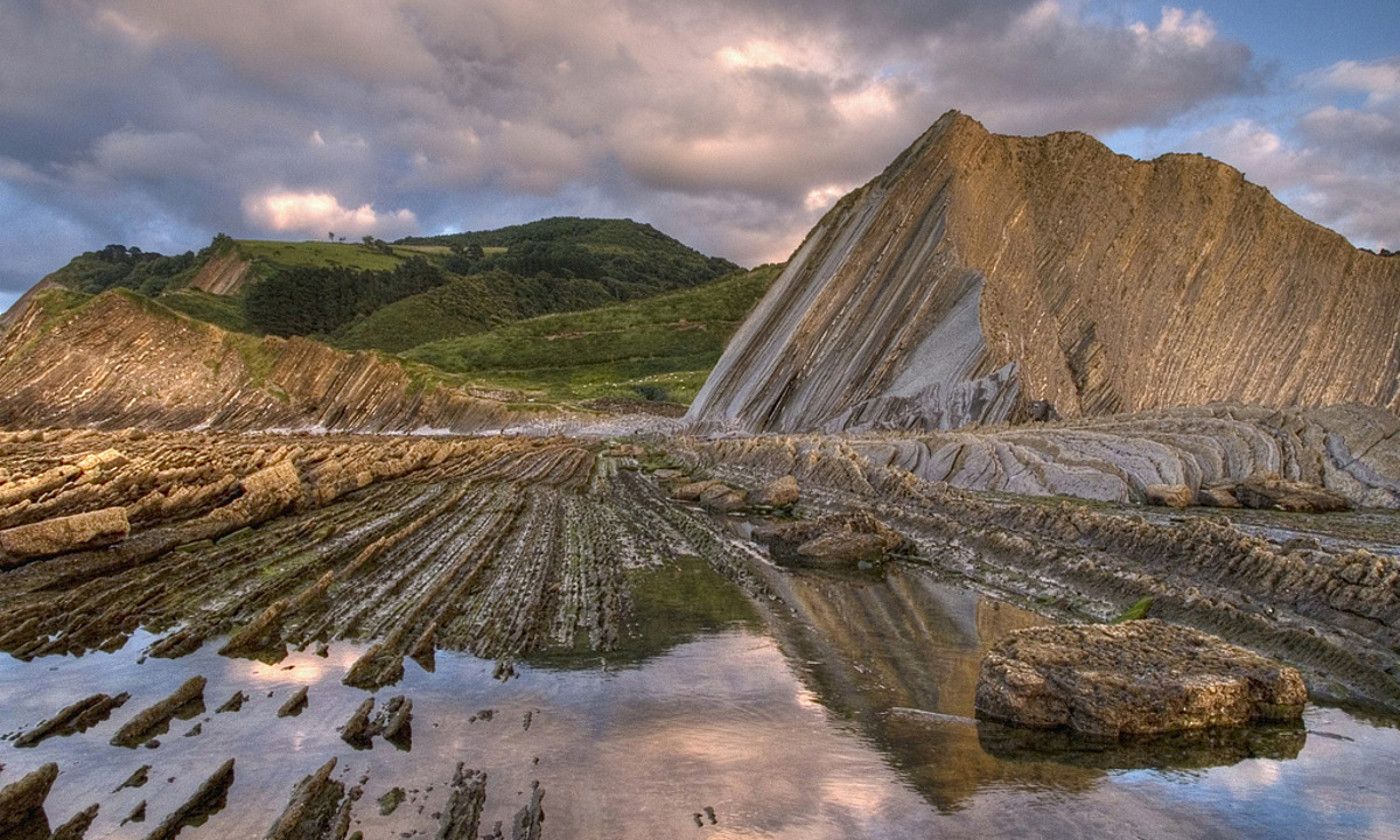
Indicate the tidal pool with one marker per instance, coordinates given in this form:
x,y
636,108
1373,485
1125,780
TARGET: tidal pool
x,y
844,714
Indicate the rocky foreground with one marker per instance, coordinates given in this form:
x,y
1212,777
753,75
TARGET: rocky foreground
x,y
505,547
502,546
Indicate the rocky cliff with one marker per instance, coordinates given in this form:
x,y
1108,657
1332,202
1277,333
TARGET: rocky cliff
x,y
119,360
981,272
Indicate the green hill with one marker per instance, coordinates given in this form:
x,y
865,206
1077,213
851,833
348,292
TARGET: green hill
x,y
661,348
392,297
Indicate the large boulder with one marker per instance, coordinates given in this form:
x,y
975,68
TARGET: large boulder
x,y
836,541
780,492
1169,495
1220,496
1138,678
62,534
1268,491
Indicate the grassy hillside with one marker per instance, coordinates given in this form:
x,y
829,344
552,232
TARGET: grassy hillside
x,y
392,297
661,348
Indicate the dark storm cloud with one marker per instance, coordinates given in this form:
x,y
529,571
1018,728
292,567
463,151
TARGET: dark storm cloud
x,y
729,124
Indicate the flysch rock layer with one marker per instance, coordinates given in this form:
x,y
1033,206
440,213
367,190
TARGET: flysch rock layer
x,y
981,272
1351,450
120,361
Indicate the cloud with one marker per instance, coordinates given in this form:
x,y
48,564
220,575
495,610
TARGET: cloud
x,y
1379,80
727,123
286,211
1322,179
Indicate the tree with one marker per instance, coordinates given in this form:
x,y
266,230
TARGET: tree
x,y
331,236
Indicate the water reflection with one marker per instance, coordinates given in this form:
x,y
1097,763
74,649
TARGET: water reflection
x,y
789,736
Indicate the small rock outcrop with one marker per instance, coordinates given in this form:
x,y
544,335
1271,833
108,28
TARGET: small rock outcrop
x,y
1137,678
1270,492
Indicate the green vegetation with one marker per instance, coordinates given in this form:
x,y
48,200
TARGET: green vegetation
x,y
119,267
318,300
1136,612
639,349
220,310
650,315
278,254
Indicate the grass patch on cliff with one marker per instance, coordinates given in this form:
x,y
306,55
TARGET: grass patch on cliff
x,y
668,342
316,254
220,310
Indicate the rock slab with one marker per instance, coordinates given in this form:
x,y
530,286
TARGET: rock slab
x,y
1138,678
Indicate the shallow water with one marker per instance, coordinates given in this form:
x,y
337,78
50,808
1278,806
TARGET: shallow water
x,y
782,734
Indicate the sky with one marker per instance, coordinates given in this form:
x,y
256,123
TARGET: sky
x,y
730,124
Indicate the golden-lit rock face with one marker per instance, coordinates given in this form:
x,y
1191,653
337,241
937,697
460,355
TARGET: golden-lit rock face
x,y
980,271
120,361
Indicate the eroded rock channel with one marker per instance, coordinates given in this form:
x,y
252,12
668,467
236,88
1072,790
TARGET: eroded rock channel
x,y
534,637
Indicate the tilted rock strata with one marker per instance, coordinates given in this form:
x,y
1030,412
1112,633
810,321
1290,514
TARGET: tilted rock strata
x,y
1329,605
1137,678
981,271
499,545
119,361
1350,450
226,274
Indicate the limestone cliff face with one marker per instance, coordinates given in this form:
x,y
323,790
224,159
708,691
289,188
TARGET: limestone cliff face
x,y
980,272
119,360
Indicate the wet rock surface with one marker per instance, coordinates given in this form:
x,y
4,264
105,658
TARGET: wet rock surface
x,y
1137,678
548,550
185,702
22,805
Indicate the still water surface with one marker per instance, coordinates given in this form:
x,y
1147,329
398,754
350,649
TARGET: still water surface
x,y
781,737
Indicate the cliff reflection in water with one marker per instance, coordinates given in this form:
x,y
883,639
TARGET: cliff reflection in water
x,y
900,652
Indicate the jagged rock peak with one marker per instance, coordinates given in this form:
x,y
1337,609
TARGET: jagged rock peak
x,y
982,272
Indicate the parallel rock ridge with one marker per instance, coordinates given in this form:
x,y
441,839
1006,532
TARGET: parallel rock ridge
x,y
120,361
982,272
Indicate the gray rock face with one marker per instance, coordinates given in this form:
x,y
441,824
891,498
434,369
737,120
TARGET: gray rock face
x,y
982,273
1137,678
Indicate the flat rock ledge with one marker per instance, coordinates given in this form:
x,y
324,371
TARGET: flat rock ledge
x,y
1137,678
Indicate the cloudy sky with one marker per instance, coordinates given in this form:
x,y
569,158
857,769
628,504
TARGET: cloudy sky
x,y
730,124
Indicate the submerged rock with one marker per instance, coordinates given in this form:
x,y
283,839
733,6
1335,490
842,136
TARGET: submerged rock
x,y
1138,678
